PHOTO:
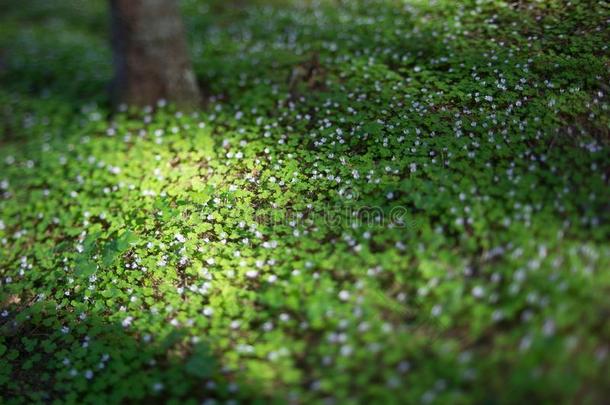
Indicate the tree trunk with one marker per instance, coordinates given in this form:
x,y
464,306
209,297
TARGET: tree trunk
x,y
150,54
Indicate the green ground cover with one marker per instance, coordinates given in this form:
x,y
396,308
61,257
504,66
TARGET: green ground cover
x,y
382,201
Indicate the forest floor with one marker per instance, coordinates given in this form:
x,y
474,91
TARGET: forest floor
x,y
381,201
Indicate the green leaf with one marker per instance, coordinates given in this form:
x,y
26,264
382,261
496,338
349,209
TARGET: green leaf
x,y
85,267
201,363
116,247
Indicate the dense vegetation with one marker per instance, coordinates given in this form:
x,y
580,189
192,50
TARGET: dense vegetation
x,y
382,201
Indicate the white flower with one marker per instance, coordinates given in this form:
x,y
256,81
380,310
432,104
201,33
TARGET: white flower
x,y
436,310
344,295
346,350
127,321
525,343
404,366
478,292
549,327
